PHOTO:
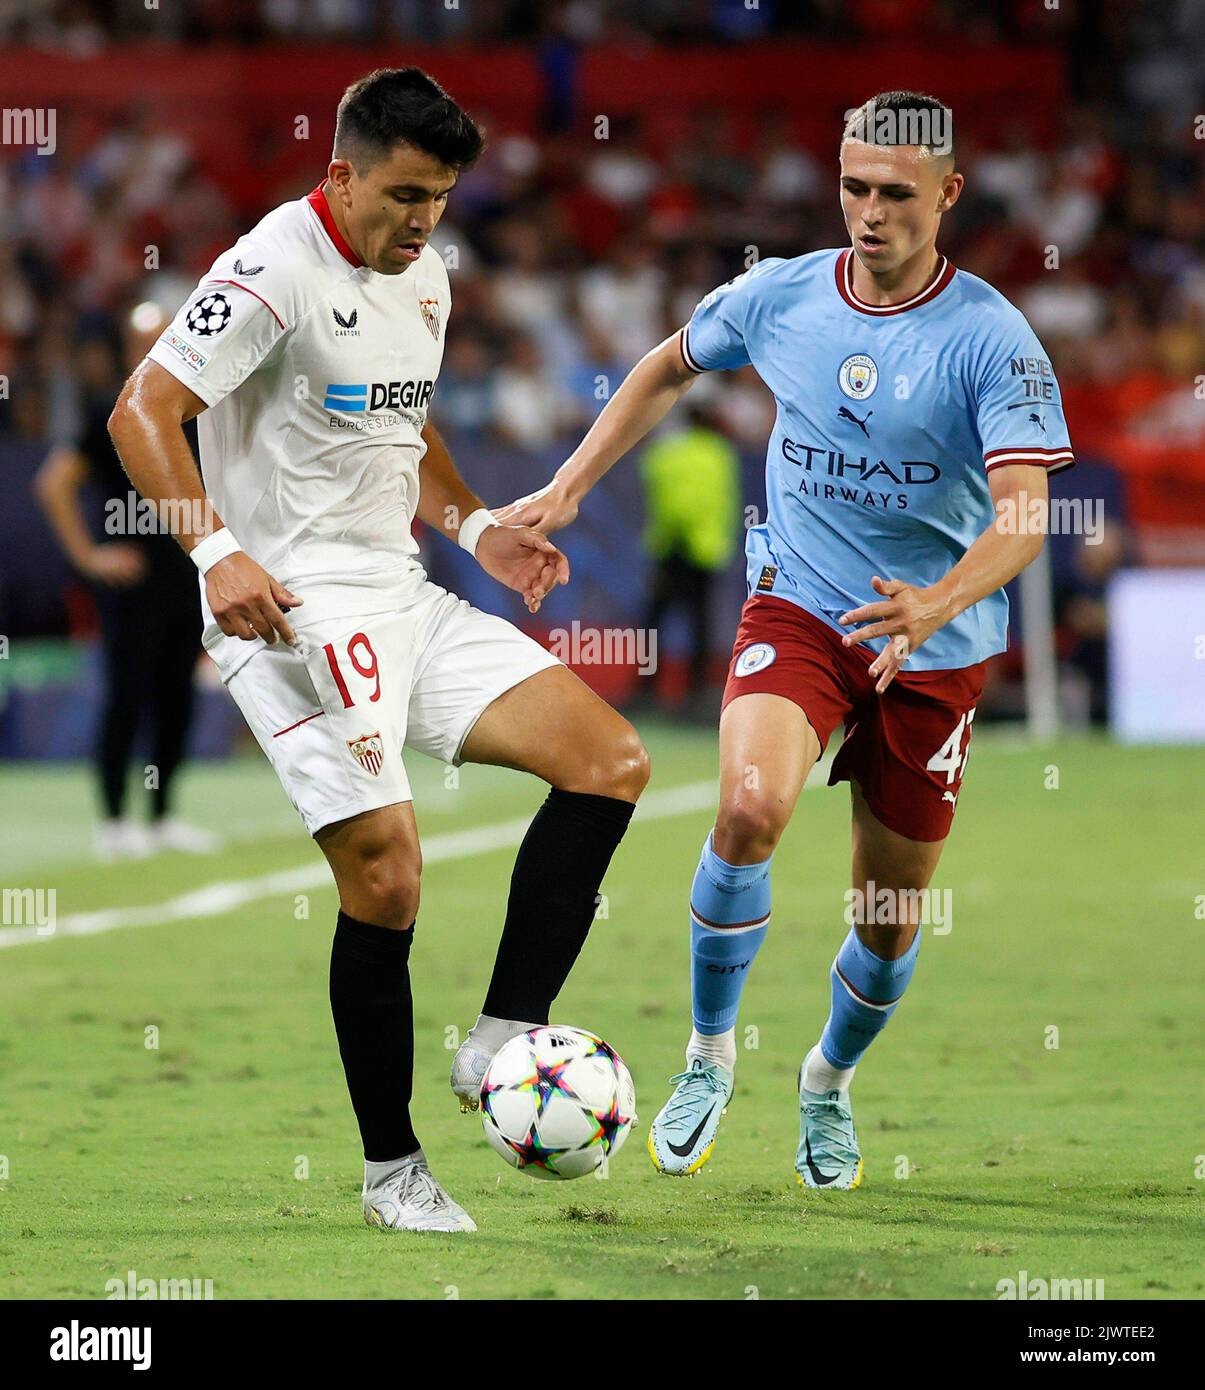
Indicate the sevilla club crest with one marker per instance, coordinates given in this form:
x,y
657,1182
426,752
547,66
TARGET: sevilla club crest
x,y
368,751
430,308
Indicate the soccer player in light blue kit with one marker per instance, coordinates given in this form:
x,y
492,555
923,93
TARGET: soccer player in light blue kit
x,y
918,417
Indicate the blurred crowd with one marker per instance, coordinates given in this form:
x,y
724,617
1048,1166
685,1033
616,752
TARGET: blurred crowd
x,y
86,26
573,255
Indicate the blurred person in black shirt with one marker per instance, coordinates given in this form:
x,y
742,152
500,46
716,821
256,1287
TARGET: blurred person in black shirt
x,y
147,599
1081,613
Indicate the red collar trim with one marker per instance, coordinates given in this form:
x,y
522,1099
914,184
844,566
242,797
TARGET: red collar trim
x,y
945,272
317,200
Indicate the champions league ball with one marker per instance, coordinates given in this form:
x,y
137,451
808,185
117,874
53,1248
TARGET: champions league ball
x,y
557,1102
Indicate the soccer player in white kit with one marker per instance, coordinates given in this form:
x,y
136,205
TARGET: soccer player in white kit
x,y
309,353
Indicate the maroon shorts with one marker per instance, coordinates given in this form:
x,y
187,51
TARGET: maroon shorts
x,y
906,748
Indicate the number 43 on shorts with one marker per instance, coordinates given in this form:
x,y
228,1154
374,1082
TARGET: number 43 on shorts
x,y
951,757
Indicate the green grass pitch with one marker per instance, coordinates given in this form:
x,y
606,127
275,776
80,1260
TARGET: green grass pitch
x,y
228,1151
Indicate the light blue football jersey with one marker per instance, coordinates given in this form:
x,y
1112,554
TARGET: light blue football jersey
x,y
889,419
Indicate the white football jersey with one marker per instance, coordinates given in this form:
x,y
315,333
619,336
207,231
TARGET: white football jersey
x,y
318,373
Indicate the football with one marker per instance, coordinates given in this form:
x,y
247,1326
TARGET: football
x,y
557,1102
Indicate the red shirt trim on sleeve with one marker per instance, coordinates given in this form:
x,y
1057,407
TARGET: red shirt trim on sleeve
x,y
1051,459
260,297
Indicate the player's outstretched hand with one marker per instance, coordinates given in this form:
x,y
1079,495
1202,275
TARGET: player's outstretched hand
x,y
909,616
547,510
523,560
246,601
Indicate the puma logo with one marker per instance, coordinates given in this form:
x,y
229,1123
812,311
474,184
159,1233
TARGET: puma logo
x,y
846,414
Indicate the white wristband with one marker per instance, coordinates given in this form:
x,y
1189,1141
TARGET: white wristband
x,y
205,554
472,527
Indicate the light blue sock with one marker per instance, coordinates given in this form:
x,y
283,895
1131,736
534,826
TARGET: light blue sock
x,y
729,918
865,993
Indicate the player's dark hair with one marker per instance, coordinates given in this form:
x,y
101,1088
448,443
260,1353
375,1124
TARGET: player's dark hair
x,y
393,104
912,118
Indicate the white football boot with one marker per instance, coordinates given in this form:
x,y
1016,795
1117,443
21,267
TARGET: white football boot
x,y
475,1054
409,1199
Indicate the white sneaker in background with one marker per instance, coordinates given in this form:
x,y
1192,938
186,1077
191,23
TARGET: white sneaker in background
x,y
171,833
122,838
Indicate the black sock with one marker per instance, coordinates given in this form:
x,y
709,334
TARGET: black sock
x,y
553,896
374,1022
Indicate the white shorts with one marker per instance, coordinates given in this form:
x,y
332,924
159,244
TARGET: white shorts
x,y
334,714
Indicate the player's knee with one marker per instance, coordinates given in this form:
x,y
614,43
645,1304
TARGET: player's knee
x,y
747,829
386,888
616,765
625,768
635,765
